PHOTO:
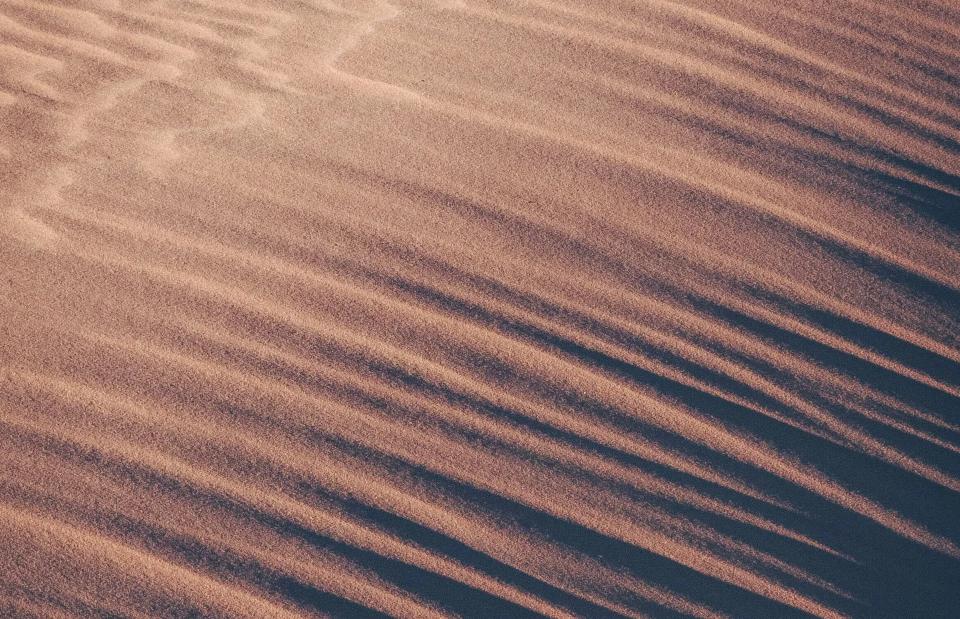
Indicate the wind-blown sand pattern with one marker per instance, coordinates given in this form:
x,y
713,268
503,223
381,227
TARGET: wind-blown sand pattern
x,y
481,308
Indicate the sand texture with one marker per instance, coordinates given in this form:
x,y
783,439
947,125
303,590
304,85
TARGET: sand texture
x,y
479,308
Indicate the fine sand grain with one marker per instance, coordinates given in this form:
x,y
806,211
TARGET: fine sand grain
x,y
481,308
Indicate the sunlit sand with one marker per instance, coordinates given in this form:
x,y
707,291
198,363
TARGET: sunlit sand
x,y
480,308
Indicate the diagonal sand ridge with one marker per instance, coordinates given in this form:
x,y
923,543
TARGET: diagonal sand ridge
x,y
479,308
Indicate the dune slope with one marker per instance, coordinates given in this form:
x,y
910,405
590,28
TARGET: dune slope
x,y
481,308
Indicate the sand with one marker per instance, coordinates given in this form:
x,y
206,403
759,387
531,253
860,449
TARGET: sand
x,y
481,308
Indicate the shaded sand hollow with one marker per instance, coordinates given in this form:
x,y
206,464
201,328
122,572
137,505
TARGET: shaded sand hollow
x,y
481,308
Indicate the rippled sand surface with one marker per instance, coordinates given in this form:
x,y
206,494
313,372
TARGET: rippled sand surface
x,y
481,308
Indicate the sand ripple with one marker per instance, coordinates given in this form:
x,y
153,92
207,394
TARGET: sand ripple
x,y
483,308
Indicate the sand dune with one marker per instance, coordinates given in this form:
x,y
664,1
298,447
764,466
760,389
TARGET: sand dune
x,y
481,308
